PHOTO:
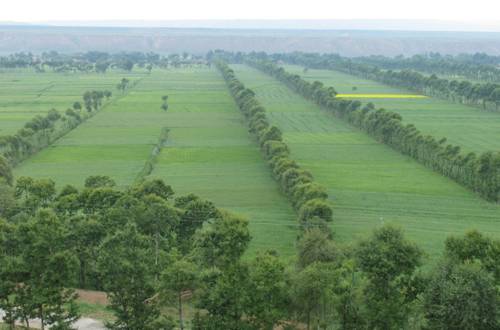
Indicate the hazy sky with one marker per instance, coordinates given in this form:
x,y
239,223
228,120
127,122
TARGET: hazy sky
x,y
68,10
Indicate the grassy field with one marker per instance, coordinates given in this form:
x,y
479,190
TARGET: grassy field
x,y
468,127
368,182
114,142
25,94
209,151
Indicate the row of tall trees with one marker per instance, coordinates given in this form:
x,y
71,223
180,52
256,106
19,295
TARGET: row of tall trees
x,y
481,173
484,95
41,131
309,198
478,66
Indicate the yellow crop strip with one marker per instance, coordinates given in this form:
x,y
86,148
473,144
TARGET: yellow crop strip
x,y
382,96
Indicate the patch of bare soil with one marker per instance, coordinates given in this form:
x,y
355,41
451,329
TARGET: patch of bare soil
x,y
93,297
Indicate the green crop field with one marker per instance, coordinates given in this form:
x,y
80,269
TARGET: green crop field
x,y
473,129
368,182
25,94
209,151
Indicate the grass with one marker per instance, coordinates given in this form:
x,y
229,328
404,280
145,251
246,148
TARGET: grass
x,y
209,151
471,128
369,183
95,311
25,93
115,142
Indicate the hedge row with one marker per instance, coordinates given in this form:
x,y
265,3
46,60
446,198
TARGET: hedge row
x,y
480,173
309,198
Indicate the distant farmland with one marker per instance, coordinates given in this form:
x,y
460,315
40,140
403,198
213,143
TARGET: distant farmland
x,y
468,127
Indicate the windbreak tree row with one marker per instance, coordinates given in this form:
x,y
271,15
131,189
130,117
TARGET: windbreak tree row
x,y
480,173
477,66
464,92
309,198
41,131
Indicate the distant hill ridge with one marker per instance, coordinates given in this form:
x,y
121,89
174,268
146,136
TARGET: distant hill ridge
x,y
16,38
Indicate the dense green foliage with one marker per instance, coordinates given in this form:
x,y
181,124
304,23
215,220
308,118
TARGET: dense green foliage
x,y
308,197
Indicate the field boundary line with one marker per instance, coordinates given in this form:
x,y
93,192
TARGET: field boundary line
x,y
153,156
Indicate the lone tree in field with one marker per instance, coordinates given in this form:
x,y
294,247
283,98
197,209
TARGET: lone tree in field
x,y
164,106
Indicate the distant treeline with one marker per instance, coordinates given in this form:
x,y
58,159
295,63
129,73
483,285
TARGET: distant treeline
x,y
309,198
95,61
481,173
465,92
478,66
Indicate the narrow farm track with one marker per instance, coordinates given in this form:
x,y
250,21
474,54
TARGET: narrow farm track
x,y
209,152
369,183
471,128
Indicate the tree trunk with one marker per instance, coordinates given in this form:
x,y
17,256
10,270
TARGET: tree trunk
x,y
42,321
82,274
156,256
181,323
